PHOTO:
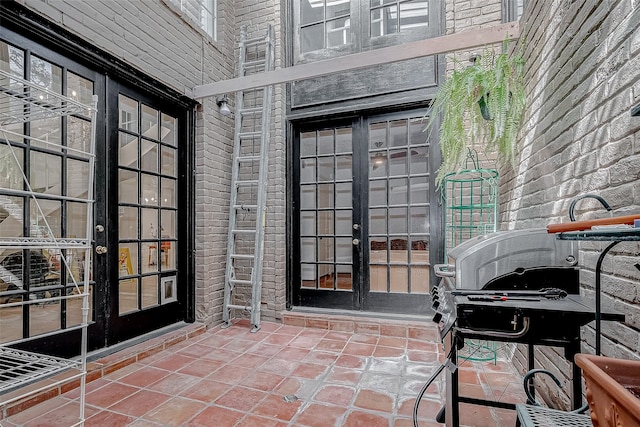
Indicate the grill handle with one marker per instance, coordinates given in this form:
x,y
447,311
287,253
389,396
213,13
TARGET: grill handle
x,y
444,270
499,334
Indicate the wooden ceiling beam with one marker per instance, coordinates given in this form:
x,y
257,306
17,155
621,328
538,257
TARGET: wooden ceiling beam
x,y
450,43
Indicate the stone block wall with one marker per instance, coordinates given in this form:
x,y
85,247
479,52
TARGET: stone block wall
x,y
582,69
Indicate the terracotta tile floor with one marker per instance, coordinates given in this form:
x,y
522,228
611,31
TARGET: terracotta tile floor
x,y
281,376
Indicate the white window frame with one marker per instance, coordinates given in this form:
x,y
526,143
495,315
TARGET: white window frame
x,y
200,14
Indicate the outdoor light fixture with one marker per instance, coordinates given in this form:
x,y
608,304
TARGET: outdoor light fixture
x,y
223,104
379,158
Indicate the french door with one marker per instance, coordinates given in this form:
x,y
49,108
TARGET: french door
x,y
140,275
363,214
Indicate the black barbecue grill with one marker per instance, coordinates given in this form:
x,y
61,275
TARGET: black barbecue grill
x,y
518,286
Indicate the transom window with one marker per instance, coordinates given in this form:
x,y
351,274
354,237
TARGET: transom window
x,y
201,14
393,16
324,24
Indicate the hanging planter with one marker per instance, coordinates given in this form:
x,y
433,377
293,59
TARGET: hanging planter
x,y
481,107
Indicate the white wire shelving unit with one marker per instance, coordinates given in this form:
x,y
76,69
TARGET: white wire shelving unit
x,y
23,102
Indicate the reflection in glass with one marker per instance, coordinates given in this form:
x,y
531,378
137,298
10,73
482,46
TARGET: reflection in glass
x,y
11,165
76,219
378,221
168,221
128,222
149,154
311,11
149,291
419,279
78,136
338,32
344,250
149,224
168,192
46,218
168,253
325,276
128,151
377,193
418,161
46,173
11,214
79,88
307,144
398,162
343,140
345,280
307,170
149,190
325,249
343,195
150,257
308,276
127,186
398,133
10,318
168,161
419,189
325,142
414,14
308,196
128,113
128,259
47,132
44,318
149,122
77,178
47,75
419,220
312,38
397,220
343,168
325,196
307,223
325,222
398,191
399,279
168,133
127,296
343,222
308,249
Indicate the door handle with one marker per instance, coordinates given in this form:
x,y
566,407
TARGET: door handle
x,y
101,250
355,242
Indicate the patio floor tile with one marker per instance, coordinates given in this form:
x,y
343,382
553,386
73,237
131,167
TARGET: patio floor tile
x,y
285,376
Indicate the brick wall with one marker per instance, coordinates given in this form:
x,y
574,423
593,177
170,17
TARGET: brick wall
x,y
582,71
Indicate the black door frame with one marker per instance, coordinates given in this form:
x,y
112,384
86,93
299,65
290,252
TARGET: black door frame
x,y
362,298
30,31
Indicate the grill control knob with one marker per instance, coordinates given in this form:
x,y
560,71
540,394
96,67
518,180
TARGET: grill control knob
x,y
437,317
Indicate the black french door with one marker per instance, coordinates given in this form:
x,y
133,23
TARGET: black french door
x,y
363,214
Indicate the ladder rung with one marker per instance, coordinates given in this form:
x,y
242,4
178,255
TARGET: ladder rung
x,y
240,231
254,110
244,135
242,256
255,41
240,282
247,158
238,307
246,207
247,182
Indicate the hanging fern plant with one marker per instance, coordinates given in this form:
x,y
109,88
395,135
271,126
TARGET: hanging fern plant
x,y
494,83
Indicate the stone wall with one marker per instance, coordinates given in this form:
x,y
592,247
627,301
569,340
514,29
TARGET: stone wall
x,y
582,69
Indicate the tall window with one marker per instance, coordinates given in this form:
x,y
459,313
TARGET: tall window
x,y
393,16
199,13
324,24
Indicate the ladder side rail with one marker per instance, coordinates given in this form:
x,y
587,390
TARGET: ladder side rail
x,y
263,178
235,170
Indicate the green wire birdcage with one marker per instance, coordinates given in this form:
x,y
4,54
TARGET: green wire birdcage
x,y
470,199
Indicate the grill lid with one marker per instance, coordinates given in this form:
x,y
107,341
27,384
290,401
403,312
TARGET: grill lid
x,y
483,258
